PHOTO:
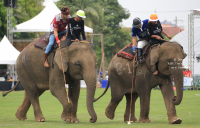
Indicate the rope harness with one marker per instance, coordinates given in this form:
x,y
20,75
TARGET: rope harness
x,y
63,73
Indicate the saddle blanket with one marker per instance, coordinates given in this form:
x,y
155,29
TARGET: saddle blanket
x,y
126,53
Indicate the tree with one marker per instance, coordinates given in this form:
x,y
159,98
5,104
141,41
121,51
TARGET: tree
x,y
3,19
25,10
114,37
104,16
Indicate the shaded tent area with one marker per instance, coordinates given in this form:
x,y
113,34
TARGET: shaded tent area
x,y
41,22
8,56
182,38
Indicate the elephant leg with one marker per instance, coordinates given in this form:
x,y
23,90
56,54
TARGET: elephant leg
x,y
31,96
74,92
144,106
60,93
24,107
110,110
36,106
168,95
127,112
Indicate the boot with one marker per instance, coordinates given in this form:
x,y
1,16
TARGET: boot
x,y
140,58
45,60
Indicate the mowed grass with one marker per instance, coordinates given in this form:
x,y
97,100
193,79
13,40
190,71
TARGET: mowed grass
x,y
188,111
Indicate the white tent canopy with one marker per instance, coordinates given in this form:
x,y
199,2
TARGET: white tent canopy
x,y
182,38
41,22
8,53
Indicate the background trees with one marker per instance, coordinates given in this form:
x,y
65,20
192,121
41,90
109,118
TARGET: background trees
x,y
115,37
104,16
25,10
3,21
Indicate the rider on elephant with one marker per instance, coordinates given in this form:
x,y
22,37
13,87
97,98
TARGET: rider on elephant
x,y
154,33
75,27
57,27
139,30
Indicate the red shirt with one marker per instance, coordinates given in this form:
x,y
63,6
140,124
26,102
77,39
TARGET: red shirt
x,y
187,73
59,23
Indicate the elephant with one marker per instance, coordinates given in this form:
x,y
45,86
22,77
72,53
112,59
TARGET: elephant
x,y
67,65
168,57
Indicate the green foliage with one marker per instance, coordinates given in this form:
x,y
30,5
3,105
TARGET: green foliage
x,y
114,37
104,16
26,10
188,111
3,19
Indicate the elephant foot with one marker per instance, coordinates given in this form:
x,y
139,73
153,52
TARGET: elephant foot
x,y
75,120
39,119
109,114
68,118
20,116
65,116
72,120
144,120
175,121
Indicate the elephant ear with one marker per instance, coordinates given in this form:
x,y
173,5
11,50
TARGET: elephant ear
x,y
154,55
61,58
182,50
184,54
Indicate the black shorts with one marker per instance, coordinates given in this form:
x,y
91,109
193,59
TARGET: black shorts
x,y
68,41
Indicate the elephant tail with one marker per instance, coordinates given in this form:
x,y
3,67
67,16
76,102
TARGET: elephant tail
x,y
5,93
107,86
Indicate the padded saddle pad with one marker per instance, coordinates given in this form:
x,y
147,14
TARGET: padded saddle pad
x,y
43,41
126,53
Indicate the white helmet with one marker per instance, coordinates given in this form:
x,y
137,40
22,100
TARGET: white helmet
x,y
81,13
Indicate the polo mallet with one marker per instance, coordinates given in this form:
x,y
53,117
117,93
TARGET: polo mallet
x,y
81,41
133,80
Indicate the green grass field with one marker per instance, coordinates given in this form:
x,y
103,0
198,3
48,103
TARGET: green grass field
x,y
188,111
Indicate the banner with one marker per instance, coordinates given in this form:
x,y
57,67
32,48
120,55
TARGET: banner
x,y
187,81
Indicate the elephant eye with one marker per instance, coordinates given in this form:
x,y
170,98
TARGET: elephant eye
x,y
77,64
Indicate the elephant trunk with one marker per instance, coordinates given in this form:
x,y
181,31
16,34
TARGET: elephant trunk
x,y
178,80
90,80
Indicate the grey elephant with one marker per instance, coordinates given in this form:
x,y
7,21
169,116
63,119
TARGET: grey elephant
x,y
169,58
76,62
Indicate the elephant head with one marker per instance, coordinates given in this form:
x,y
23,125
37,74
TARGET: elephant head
x,y
169,56
79,60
